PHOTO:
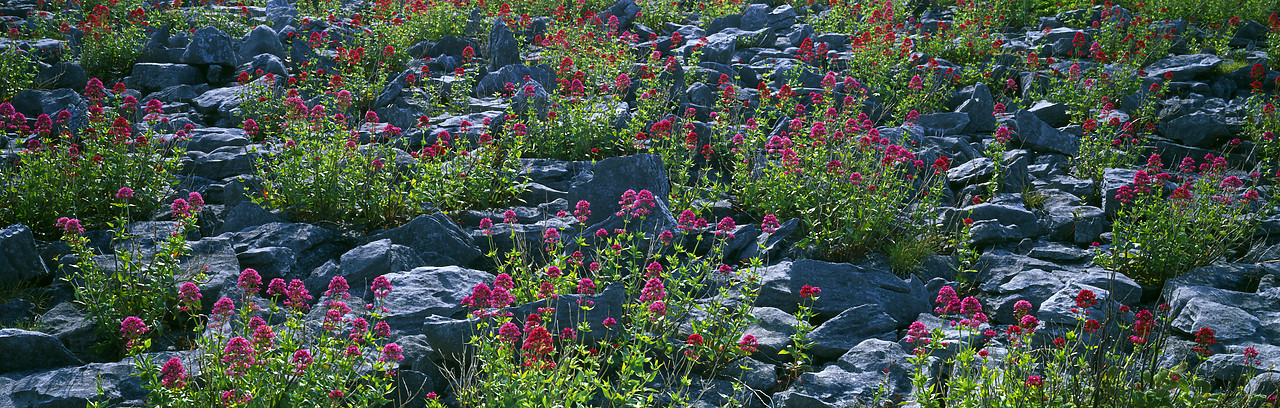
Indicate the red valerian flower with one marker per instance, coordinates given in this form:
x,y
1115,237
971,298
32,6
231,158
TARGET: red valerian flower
x,y
748,343
172,374
1086,299
694,340
658,308
1251,356
1035,381
509,333
381,287
770,224
809,291
133,328
1204,338
249,281
188,297
537,345
238,355
391,352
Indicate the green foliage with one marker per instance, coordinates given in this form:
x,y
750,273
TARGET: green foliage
x,y
78,174
1262,125
319,7
234,22
244,362
260,106
906,254
855,192
577,121
321,173
1113,362
457,174
110,43
1110,142
885,62
16,71
657,12
800,344
417,21
128,286
1159,234
843,17
361,73
645,351
1211,14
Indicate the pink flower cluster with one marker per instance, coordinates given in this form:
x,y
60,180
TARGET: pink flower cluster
x,y
295,292
133,329
635,204
484,297
189,297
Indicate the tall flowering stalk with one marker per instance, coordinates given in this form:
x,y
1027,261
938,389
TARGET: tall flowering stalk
x,y
800,342
146,293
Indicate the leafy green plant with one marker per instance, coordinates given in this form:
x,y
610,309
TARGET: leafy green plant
x,y
16,71
245,362
645,353
76,173
417,21
322,173
1089,365
111,41
593,79
129,287
265,117
656,12
854,190
1214,15
1262,123
455,173
800,342
1109,142
235,22
361,74
906,256
1161,232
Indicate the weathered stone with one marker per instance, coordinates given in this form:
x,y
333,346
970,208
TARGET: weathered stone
x,y
72,387
19,259
849,328
843,286
210,46
428,291
1183,67
604,184
261,40
434,235
1039,136
33,351
503,50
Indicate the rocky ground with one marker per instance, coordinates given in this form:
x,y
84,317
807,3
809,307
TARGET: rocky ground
x,y
1038,252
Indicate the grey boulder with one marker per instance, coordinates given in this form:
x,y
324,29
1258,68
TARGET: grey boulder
x,y
29,350
210,46
844,286
19,259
